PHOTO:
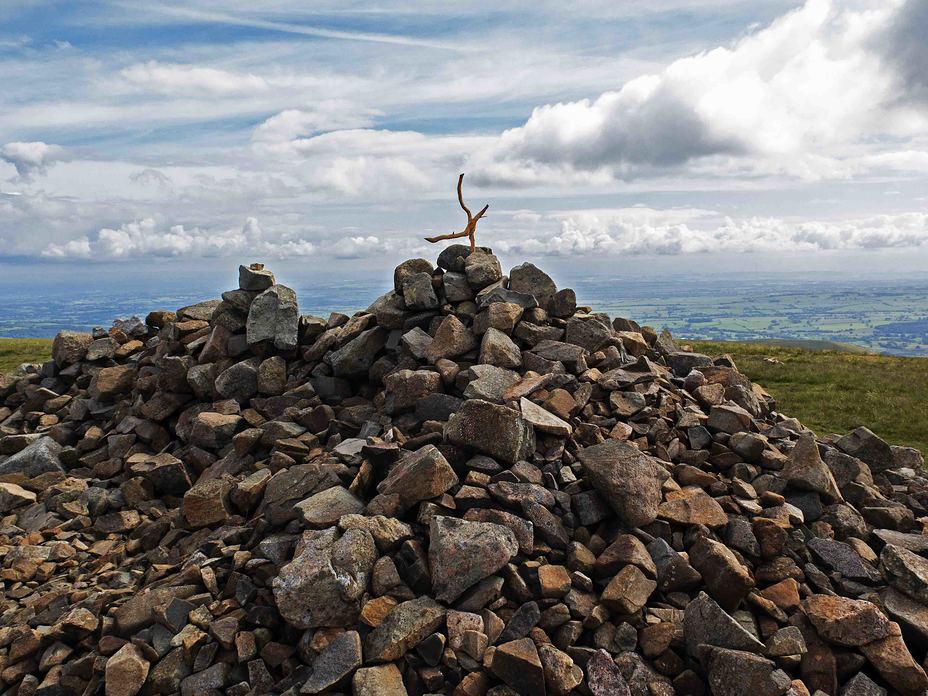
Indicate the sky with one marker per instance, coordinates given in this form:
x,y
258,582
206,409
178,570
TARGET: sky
x,y
701,134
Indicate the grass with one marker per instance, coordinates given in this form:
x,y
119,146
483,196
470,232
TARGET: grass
x,y
834,391
830,387
16,351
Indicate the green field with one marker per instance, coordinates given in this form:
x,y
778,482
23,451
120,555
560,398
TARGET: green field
x,y
15,351
834,391
831,391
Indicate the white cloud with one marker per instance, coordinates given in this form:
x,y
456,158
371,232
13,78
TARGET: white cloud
x,y
646,231
31,158
191,79
813,82
144,238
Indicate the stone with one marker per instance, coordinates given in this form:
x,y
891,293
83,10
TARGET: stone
x,y
335,664
729,419
418,293
531,280
324,583
407,624
905,570
895,664
905,610
272,376
490,429
326,508
588,333
461,553
255,278
13,496
738,673
544,421
70,347
503,316
451,339
457,289
482,269
452,257
692,505
603,676
406,388
109,382
418,476
785,642
206,503
706,623
626,478
518,665
382,680
562,676
37,458
239,382
498,349
805,469
126,671
842,558
866,446
628,591
861,685
274,318
357,355
563,304
489,382
847,622
727,580
213,430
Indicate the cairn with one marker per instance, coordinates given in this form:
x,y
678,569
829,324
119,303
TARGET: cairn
x,y
473,487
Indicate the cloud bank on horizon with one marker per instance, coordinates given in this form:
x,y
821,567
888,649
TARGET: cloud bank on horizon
x,y
680,128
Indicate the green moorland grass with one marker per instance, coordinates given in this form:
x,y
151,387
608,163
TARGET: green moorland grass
x,y
834,392
830,391
16,351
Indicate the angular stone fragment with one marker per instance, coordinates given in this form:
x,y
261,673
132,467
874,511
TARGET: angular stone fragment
x,y
738,673
462,553
70,347
126,671
13,496
866,446
382,680
325,582
111,381
205,503
357,355
489,382
706,623
517,664
451,339
404,627
497,431
906,571
562,676
692,505
418,293
254,278
38,458
326,508
419,476
498,349
604,677
239,382
482,269
895,664
542,420
844,621
727,580
805,469
335,664
629,480
274,318
405,388
628,591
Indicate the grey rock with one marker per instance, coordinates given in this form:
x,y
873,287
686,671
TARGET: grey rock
x,y
488,428
739,673
335,664
462,553
418,293
274,317
407,624
357,355
866,446
239,382
324,509
325,582
531,280
254,278
38,458
626,478
706,623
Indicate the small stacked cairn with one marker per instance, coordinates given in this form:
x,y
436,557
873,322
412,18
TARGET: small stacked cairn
x,y
472,487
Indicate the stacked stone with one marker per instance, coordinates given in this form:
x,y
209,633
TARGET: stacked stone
x,y
473,487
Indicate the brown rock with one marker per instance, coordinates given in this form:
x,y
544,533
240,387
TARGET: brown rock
x,y
844,621
126,671
517,664
628,591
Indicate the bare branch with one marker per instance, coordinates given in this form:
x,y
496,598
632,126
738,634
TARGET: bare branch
x,y
470,229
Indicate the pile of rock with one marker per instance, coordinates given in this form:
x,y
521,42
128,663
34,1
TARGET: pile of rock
x,y
473,487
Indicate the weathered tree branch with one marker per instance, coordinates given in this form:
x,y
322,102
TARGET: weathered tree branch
x,y
471,228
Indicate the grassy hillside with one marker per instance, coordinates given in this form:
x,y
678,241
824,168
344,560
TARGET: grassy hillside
x,y
834,392
829,387
16,351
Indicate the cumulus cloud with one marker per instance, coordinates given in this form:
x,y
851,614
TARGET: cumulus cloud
x,y
646,231
174,78
145,238
813,80
31,158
